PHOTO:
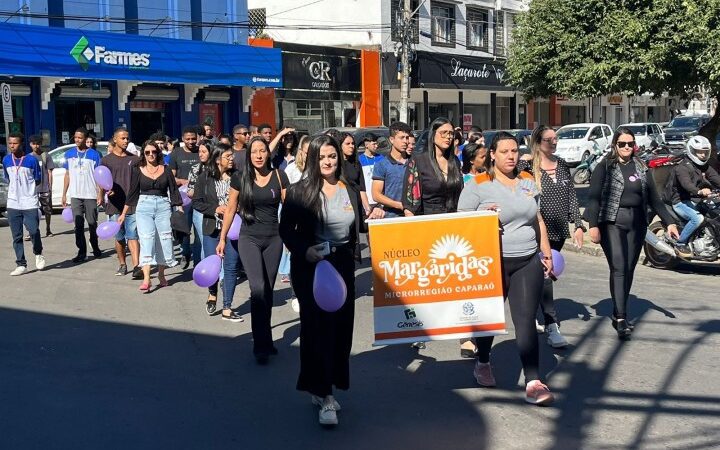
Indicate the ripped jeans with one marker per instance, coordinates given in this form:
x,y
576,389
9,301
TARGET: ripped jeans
x,y
152,216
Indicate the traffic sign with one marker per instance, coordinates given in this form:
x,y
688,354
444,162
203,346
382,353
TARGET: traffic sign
x,y
6,102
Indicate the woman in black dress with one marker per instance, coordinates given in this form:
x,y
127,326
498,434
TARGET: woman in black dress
x,y
323,208
351,168
558,207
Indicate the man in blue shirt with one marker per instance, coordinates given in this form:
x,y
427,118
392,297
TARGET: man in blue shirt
x,y
85,197
389,173
23,174
368,159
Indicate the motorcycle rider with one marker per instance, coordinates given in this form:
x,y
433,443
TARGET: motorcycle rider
x,y
694,179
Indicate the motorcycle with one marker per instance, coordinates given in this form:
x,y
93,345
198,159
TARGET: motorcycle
x,y
584,170
704,242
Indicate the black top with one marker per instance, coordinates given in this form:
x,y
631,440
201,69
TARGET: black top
x,y
163,186
690,178
205,200
239,159
121,168
558,201
353,174
181,162
632,195
423,192
267,201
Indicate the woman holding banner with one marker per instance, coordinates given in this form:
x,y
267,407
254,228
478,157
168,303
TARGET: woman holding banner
x,y
433,179
514,195
321,219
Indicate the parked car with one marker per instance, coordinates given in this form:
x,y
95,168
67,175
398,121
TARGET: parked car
x,y
682,128
3,191
519,134
58,157
645,134
578,141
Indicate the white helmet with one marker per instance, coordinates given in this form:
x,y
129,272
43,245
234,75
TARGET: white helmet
x,y
698,150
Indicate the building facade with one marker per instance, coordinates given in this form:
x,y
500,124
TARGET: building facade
x,y
141,64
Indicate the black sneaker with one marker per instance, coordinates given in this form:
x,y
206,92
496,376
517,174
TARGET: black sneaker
x,y
232,317
683,250
122,271
418,345
211,307
623,329
97,252
185,261
79,259
137,273
48,233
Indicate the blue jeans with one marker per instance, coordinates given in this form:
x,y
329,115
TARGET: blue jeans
x,y
210,243
31,219
284,268
197,221
188,250
128,230
152,216
231,261
687,211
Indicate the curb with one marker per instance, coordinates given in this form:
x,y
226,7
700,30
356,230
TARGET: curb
x,y
588,248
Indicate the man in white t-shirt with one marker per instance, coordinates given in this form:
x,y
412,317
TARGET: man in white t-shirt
x,y
368,159
85,197
23,174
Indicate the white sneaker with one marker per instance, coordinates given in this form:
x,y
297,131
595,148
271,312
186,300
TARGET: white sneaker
x,y
295,305
539,328
39,262
555,339
328,414
19,270
318,401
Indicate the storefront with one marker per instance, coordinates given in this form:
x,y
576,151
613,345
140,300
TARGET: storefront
x,y
321,87
99,80
461,88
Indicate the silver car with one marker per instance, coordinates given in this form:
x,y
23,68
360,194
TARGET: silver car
x,y
3,191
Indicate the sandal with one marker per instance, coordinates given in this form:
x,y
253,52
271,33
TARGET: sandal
x,y
145,287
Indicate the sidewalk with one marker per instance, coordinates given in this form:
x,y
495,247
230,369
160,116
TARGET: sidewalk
x,y
588,247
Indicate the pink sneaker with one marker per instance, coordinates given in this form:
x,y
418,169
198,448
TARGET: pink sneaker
x,y
483,374
538,394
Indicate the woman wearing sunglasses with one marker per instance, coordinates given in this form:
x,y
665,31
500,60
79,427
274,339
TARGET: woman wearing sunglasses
x,y
153,193
621,189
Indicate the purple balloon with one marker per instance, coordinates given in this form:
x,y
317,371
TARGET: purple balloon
x,y
183,188
67,215
234,232
185,199
558,262
107,230
329,288
103,177
207,271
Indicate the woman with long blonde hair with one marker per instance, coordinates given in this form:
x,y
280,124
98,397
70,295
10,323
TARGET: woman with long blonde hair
x,y
558,207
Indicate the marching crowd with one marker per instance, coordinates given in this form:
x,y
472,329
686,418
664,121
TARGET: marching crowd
x,y
306,199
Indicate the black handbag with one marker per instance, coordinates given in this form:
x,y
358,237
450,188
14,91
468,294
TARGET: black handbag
x,y
178,222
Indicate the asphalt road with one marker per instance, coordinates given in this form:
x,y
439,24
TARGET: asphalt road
x,y
87,362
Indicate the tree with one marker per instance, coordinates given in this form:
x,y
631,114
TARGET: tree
x,y
587,48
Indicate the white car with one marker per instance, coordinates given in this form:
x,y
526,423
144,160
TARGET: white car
x,y
646,133
578,141
58,174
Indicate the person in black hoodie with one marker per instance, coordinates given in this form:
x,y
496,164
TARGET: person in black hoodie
x,y
323,209
210,198
694,179
621,189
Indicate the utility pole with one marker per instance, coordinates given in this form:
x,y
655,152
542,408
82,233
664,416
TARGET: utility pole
x,y
406,37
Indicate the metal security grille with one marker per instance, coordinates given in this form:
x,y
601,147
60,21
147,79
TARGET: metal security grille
x,y
257,21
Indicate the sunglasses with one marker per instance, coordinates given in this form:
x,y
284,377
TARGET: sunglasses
x,y
624,144
446,134
150,153
245,133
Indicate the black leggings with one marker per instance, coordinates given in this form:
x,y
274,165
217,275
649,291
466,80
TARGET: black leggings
x,y
621,241
522,284
547,304
260,257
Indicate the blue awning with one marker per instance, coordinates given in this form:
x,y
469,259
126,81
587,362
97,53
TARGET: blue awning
x,y
29,50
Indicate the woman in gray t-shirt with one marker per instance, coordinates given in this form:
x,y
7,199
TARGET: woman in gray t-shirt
x,y
322,209
514,196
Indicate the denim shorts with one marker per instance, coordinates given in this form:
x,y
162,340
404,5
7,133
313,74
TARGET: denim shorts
x,y
128,230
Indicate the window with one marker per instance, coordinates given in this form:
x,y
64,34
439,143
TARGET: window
x,y
504,23
396,14
308,109
477,29
442,16
596,133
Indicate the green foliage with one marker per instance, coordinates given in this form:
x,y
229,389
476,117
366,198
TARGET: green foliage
x,y
585,48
